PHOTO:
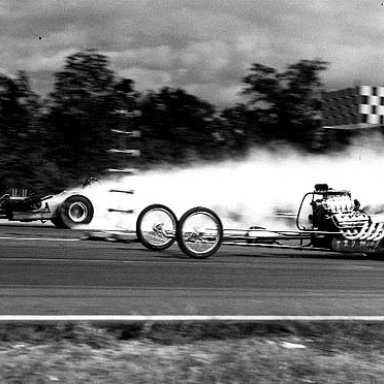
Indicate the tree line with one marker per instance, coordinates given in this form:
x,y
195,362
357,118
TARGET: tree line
x,y
58,140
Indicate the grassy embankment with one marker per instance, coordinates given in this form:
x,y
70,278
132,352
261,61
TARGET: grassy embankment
x,y
192,353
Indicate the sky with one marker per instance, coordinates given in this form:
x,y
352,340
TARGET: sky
x,y
203,46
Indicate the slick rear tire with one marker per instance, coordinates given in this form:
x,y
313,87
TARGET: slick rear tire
x,y
74,211
58,222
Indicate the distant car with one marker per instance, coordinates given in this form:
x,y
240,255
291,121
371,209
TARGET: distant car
x,y
67,209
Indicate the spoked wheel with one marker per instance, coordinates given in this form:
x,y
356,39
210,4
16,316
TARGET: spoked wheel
x,y
156,227
199,233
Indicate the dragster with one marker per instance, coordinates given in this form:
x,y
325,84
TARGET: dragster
x,y
67,210
64,210
327,220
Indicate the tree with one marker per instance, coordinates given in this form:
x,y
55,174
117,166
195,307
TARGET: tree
x,y
84,107
175,126
288,103
18,109
240,129
22,152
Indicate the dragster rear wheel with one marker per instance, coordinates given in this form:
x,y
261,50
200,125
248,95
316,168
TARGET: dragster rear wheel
x,y
58,223
156,227
199,233
74,211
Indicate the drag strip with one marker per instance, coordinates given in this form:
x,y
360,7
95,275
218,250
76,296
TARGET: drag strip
x,y
83,277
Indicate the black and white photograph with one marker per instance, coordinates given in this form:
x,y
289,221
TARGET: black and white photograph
x,y
191,191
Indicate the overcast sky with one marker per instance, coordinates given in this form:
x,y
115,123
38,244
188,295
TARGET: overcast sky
x,y
203,46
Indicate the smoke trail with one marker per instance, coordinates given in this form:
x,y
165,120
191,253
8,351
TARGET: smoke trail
x,y
247,192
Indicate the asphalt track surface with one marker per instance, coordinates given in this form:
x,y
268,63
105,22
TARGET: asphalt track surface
x,y
45,271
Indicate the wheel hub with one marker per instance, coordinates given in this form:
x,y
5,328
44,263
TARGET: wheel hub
x,y
78,212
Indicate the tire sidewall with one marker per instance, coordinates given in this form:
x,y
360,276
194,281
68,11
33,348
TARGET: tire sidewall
x,y
58,223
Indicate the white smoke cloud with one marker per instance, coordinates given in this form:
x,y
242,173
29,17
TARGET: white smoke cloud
x,y
247,192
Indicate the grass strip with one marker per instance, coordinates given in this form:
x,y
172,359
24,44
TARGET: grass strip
x,y
213,352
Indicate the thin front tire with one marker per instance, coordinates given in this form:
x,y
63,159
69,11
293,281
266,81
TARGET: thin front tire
x,y
156,227
199,233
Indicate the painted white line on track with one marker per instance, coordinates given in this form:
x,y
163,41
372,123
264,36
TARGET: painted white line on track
x,y
187,318
36,238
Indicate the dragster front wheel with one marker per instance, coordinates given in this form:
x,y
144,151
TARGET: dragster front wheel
x,y
156,227
199,233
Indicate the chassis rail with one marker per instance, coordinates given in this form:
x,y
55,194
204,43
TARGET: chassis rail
x,y
281,246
